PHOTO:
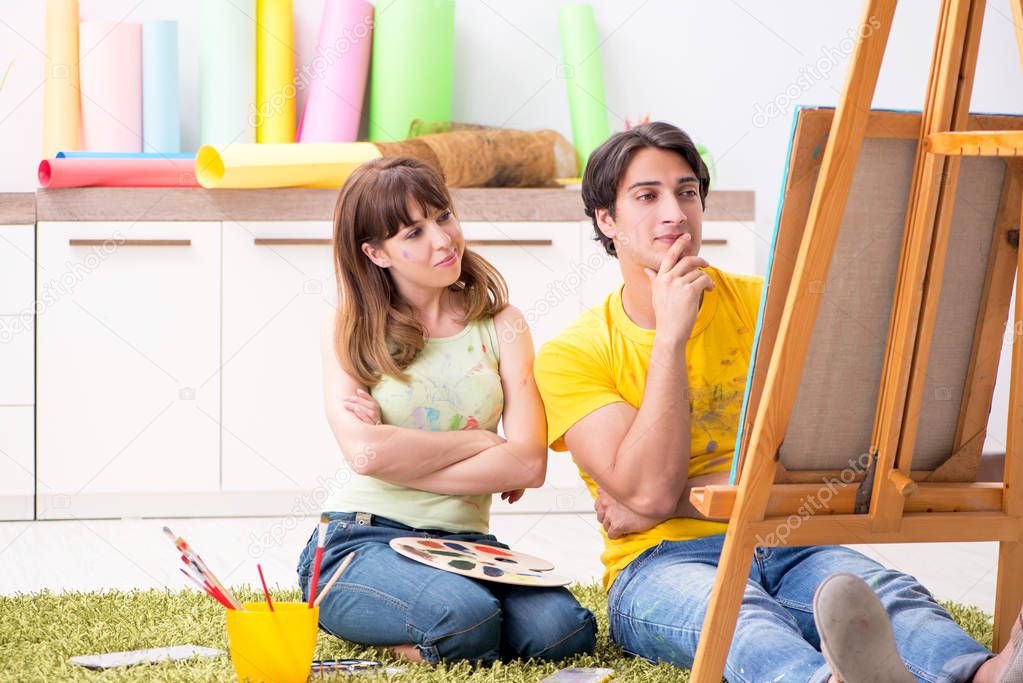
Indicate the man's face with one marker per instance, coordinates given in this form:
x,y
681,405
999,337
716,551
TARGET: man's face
x,y
658,201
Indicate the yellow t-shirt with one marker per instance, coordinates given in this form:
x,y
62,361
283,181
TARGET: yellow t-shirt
x,y
602,358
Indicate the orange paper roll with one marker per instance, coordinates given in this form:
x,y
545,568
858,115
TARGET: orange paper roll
x,y
62,110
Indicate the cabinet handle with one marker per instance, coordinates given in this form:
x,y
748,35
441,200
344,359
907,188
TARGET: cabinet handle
x,y
509,243
715,242
129,243
289,241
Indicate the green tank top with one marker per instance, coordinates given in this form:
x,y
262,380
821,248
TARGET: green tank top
x,y
454,383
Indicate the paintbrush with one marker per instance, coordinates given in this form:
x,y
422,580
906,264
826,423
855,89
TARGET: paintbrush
x,y
321,539
334,577
182,545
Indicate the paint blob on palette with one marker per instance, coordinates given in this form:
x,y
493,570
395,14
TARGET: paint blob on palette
x,y
480,561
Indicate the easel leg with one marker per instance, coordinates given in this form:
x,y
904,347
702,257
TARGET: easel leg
x,y
1009,593
723,609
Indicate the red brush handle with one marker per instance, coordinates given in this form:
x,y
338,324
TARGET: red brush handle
x,y
316,576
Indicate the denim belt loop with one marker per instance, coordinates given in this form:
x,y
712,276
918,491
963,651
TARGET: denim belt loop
x,y
363,519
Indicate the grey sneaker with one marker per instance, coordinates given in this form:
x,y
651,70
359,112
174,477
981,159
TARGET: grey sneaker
x,y
856,636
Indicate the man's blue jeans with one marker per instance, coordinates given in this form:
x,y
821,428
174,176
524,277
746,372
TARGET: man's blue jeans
x,y
385,599
657,605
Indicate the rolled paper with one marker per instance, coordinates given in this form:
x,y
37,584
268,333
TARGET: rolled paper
x,y
62,108
124,155
275,64
111,74
269,165
227,71
86,172
584,78
412,67
493,157
336,77
161,112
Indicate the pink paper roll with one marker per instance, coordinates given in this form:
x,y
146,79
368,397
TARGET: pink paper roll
x,y
336,77
111,77
113,172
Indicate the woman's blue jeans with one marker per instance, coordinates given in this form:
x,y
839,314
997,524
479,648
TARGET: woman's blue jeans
x,y
657,605
385,599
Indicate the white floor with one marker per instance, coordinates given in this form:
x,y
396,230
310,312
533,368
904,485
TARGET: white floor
x,y
131,553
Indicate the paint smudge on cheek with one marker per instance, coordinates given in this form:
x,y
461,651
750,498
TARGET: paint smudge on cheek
x,y
405,255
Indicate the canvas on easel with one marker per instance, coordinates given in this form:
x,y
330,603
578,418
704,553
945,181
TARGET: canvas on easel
x,y
877,348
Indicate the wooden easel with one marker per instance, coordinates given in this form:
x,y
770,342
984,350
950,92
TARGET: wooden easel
x,y
901,509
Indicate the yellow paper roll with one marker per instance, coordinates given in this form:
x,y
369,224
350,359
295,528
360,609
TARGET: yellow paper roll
x,y
269,165
275,62
62,107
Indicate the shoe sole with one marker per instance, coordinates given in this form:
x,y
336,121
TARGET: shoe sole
x,y
860,650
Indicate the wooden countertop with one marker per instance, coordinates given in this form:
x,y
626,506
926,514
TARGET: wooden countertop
x,y
314,204
17,208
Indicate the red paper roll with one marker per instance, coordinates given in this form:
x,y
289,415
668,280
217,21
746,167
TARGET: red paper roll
x,y
85,172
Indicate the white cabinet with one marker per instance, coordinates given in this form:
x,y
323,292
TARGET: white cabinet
x,y
128,398
538,261
17,268
17,333
278,287
178,364
17,366
17,471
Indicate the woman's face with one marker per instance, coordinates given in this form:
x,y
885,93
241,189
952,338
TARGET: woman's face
x,y
427,253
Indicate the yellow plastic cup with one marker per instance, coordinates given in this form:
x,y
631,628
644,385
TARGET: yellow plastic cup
x,y
273,646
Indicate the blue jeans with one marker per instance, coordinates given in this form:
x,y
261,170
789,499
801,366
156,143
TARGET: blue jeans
x,y
384,599
657,604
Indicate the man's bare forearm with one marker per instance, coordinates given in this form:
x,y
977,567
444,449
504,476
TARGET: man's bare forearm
x,y
654,455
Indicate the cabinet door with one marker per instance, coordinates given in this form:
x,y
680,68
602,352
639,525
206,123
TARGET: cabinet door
x,y
17,319
17,269
278,287
541,263
128,358
17,471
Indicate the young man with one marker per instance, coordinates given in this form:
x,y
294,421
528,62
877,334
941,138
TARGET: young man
x,y
645,391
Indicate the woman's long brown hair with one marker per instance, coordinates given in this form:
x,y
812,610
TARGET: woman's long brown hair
x,y
376,332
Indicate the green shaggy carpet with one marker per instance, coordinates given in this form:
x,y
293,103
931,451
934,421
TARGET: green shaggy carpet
x,y
39,632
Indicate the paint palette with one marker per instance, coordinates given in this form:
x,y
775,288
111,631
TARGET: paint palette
x,y
479,561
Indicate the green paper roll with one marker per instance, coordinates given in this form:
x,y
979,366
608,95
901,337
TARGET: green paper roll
x,y
227,71
412,66
584,77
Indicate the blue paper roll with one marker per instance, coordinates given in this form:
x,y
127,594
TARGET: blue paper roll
x,y
161,117
124,155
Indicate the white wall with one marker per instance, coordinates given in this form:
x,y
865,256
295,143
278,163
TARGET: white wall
x,y
717,69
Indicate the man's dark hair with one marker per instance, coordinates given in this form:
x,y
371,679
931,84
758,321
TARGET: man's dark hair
x,y
608,163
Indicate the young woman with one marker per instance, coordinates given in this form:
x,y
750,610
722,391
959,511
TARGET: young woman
x,y
423,360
